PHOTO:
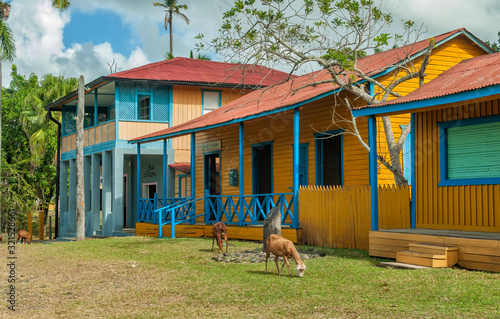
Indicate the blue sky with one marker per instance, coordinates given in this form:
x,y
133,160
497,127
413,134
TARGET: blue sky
x,y
94,33
100,26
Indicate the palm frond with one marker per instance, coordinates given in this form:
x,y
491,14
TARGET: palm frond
x,y
60,4
7,47
183,16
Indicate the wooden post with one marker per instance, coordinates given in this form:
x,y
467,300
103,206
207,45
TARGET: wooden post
x,y
40,225
80,192
30,224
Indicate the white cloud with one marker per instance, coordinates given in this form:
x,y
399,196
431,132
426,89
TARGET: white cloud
x,y
38,30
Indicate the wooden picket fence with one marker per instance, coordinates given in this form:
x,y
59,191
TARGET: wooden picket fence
x,y
340,217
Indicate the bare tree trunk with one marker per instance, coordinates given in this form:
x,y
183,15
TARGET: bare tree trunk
x,y
394,151
80,194
171,34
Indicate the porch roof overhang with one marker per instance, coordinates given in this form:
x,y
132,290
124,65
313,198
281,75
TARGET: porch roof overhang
x,y
277,99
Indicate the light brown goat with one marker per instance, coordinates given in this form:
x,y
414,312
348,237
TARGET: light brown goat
x,y
24,236
281,246
218,231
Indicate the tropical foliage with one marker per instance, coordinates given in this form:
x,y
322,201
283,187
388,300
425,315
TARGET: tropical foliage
x,y
30,140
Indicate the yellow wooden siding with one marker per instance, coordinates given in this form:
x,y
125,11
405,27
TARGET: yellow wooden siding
x,y
130,130
341,217
470,207
186,102
443,57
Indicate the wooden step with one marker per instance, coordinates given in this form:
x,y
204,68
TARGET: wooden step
x,y
451,252
422,259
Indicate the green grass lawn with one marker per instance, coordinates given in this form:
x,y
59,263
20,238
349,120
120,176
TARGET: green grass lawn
x,y
139,277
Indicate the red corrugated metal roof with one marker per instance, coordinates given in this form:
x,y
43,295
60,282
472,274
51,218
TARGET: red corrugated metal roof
x,y
468,75
182,167
280,96
202,71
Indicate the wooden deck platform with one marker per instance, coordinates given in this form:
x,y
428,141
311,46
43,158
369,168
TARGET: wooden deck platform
x,y
202,230
477,250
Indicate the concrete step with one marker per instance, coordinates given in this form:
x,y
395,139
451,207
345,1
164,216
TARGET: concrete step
x,y
393,264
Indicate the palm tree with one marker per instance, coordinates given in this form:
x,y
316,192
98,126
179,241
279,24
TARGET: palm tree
x,y
172,8
7,52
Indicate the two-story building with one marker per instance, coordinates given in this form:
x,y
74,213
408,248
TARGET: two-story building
x,y
132,103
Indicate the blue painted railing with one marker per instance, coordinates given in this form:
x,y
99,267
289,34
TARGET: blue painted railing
x,y
175,214
250,209
148,206
232,209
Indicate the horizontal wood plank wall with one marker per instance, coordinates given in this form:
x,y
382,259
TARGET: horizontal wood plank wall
x,y
187,106
340,217
443,57
472,207
130,130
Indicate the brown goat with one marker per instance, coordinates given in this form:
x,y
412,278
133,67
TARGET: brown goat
x,y
24,236
281,246
218,231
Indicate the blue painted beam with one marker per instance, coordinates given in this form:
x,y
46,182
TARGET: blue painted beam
x,y
296,131
413,211
138,178
242,166
193,175
165,168
372,141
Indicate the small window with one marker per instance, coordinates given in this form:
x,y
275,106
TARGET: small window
x,y
211,101
144,106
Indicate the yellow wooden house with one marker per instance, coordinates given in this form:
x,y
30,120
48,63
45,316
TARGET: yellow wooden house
x,y
456,150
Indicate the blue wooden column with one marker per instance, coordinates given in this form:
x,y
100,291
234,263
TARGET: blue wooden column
x,y
86,188
63,197
138,179
413,211
242,167
296,131
165,169
372,141
193,177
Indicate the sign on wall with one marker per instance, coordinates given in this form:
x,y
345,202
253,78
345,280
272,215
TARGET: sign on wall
x,y
211,146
